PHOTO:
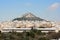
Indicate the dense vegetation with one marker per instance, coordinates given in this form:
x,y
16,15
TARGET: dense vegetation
x,y
31,19
31,35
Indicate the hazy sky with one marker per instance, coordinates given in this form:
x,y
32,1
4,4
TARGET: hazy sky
x,y
46,9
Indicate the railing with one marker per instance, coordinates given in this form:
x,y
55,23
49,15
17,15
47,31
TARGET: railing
x,y
22,29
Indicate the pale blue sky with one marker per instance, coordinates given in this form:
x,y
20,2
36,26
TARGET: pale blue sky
x,y
46,9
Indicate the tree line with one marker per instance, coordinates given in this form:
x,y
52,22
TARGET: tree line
x,y
33,34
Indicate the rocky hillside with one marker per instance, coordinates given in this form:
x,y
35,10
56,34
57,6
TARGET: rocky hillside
x,y
29,16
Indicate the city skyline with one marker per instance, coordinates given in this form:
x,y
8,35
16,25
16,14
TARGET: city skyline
x,y
46,9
